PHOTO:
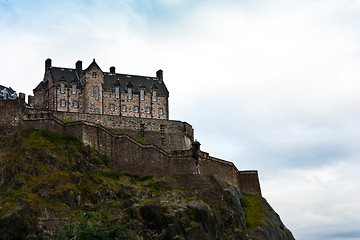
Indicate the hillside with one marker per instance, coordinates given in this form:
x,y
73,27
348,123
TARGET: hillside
x,y
47,177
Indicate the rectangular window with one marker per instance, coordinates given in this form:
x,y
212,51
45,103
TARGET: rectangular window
x,y
94,74
73,90
92,108
147,110
161,111
62,103
97,111
136,109
112,107
96,93
46,104
117,92
62,87
75,104
123,108
154,96
142,94
129,93
92,91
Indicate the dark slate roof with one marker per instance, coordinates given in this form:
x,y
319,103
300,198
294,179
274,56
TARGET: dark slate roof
x,y
11,92
136,81
110,79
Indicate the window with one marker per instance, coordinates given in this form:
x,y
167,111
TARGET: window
x,y
161,111
96,93
46,104
73,90
154,96
142,94
117,92
97,111
148,110
129,93
94,74
109,95
47,93
112,107
92,107
62,103
5,96
136,109
75,104
92,91
123,108
62,87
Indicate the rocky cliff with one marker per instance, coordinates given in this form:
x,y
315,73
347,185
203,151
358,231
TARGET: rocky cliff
x,y
45,178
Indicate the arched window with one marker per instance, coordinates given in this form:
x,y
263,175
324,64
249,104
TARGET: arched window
x,y
92,91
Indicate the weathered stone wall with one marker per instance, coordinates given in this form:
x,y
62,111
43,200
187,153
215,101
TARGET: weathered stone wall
x,y
126,154
249,182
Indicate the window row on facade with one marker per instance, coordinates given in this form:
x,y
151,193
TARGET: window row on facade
x,y
111,107
94,92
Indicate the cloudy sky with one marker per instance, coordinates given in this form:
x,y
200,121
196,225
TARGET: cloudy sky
x,y
270,85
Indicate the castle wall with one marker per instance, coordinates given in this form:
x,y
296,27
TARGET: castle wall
x,y
163,133
249,182
126,154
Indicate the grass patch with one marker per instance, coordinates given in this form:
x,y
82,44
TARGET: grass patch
x,y
141,141
254,210
66,121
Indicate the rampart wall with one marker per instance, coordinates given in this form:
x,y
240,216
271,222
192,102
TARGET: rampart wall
x,y
127,154
167,134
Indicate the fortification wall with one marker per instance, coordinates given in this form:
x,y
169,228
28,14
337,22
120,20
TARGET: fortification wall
x,y
167,134
128,155
249,182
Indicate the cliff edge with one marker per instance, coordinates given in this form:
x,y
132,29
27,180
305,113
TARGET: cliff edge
x,y
50,179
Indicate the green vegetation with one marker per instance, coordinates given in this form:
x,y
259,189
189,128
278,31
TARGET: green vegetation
x,y
66,121
141,141
254,210
93,226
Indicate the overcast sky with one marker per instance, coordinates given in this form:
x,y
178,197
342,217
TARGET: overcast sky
x,y
268,85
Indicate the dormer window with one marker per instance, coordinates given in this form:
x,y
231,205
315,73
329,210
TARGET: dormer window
x,y
62,87
129,90
142,94
117,92
73,89
154,96
94,74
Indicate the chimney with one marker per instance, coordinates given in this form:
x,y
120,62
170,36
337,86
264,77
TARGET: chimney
x,y
78,67
22,96
159,75
47,64
112,70
31,101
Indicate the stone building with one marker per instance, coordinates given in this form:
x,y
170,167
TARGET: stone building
x,y
7,93
106,93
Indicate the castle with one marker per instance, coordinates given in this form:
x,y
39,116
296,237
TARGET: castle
x,y
123,116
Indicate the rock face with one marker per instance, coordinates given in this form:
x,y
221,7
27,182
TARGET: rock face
x,y
47,177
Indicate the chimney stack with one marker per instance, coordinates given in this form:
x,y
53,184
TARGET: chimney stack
x,y
159,75
47,64
112,70
78,67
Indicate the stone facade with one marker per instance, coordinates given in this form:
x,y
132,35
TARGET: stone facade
x,y
93,91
